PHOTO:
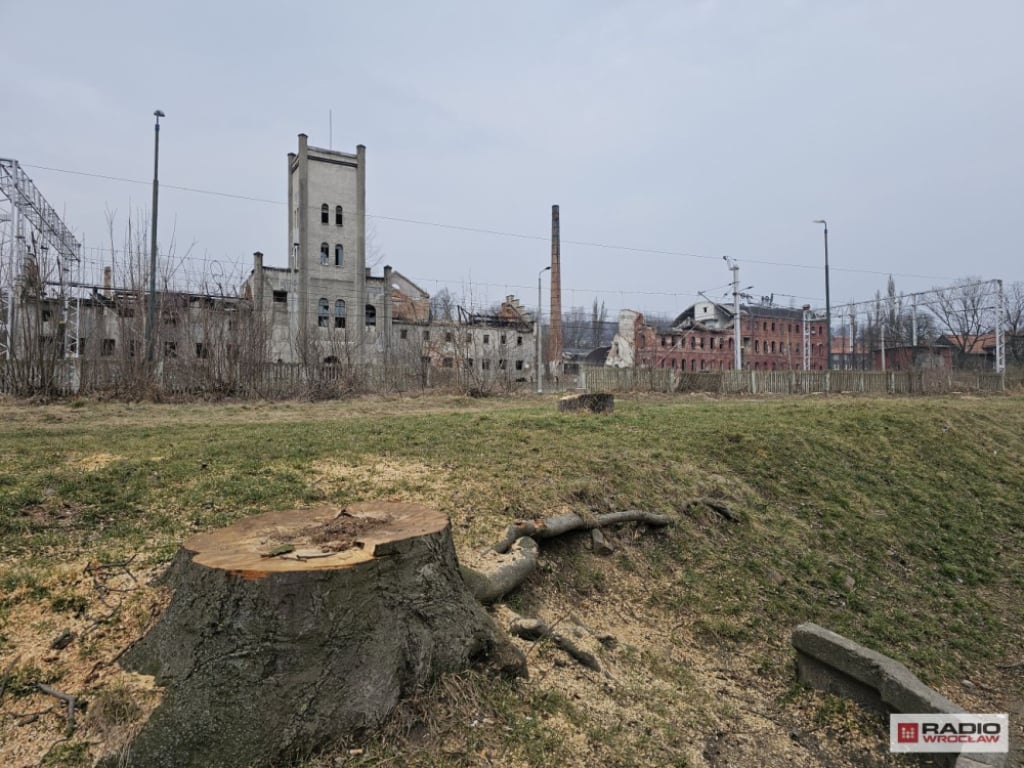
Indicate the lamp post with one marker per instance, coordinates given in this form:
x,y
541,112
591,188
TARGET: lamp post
x,y
828,302
540,371
151,316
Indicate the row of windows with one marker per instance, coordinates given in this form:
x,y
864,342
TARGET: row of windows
x,y
485,365
108,347
790,327
325,215
709,365
695,341
763,347
323,314
325,254
449,337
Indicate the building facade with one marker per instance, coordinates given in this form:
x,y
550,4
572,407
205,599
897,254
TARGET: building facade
x,y
702,338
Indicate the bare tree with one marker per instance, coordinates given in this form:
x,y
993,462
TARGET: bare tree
x,y
598,323
1013,316
965,311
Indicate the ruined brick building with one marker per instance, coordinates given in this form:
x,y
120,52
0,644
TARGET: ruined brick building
x,y
702,338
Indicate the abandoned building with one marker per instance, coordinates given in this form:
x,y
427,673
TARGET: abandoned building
x,y
702,338
323,308
327,307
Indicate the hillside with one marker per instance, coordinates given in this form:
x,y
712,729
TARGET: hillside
x,y
895,522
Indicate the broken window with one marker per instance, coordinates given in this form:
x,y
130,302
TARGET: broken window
x,y
519,341
447,335
325,253
503,339
322,309
519,365
107,350
339,254
170,349
338,221
325,213
280,297
339,313
447,362
485,365
371,316
403,334
202,351
487,338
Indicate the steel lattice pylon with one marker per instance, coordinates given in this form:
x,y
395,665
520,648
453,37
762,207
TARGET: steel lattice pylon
x,y
29,206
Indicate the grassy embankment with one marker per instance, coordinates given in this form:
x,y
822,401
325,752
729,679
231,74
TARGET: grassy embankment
x,y
896,522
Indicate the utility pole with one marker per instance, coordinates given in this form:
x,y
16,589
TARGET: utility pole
x,y
151,316
828,301
738,354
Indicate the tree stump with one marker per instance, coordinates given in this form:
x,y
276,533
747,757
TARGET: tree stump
x,y
290,630
589,402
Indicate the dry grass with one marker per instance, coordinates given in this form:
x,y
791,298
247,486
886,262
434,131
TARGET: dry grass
x,y
893,521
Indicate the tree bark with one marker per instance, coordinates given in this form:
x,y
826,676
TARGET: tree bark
x,y
290,630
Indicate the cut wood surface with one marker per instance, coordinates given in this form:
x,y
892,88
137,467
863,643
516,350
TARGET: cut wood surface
x,y
314,539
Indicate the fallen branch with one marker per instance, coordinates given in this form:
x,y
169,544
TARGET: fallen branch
x,y
66,697
561,524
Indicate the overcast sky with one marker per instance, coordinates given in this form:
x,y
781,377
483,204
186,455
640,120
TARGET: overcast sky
x,y
669,133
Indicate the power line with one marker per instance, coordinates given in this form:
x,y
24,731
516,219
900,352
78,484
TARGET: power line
x,y
495,232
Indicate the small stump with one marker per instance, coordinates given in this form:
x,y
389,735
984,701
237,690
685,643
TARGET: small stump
x,y
290,630
596,402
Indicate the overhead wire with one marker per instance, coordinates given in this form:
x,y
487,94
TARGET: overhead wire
x,y
492,232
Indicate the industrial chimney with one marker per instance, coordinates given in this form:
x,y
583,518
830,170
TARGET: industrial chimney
x,y
555,342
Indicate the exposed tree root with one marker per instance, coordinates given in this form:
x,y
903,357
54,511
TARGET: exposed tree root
x,y
493,575
717,506
576,640
499,570
70,700
561,524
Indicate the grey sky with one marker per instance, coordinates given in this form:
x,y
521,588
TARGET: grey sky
x,y
697,128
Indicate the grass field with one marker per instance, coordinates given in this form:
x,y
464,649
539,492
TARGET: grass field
x,y
894,521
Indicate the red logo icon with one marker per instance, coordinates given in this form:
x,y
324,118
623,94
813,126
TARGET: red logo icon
x,y
906,733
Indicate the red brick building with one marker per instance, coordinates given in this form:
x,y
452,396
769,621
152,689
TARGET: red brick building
x,y
703,339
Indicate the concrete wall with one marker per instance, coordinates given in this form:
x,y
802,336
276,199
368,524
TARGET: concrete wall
x,y
830,662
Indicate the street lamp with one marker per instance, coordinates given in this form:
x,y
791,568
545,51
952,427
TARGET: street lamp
x,y
540,372
828,302
151,317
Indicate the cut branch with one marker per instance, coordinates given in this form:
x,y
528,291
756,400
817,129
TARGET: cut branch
x,y
561,524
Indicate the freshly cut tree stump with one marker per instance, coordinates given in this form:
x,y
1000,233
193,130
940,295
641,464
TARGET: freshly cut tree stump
x,y
290,630
594,402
